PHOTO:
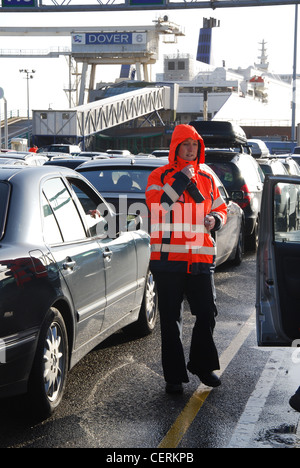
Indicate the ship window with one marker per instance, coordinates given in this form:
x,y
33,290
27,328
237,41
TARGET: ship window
x,y
171,65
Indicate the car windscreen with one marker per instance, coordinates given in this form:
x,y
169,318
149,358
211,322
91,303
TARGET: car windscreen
x,y
118,180
58,149
4,200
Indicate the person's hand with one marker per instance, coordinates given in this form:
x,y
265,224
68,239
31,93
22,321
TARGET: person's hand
x,y
209,222
189,171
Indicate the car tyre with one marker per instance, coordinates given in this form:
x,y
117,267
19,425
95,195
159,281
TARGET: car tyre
x,y
148,311
239,253
251,243
49,373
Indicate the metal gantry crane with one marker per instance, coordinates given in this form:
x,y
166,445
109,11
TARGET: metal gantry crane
x,y
131,5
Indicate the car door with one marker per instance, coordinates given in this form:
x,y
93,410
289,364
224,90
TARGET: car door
x,y
78,256
121,276
118,251
278,271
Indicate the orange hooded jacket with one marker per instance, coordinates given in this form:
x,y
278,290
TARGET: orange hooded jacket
x,y
179,240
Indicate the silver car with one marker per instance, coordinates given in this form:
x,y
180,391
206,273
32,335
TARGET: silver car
x,y
72,272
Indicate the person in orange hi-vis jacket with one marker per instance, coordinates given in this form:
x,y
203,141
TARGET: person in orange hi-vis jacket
x,y
185,206
33,149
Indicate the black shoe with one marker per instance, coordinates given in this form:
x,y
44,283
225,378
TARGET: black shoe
x,y
295,402
208,378
174,388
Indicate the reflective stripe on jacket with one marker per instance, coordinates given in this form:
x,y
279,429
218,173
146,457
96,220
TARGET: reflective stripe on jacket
x,y
178,206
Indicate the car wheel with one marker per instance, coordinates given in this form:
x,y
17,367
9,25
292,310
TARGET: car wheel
x,y
49,372
239,248
252,240
149,310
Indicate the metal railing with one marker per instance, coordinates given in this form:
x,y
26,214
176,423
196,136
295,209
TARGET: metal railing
x,y
27,134
13,114
50,52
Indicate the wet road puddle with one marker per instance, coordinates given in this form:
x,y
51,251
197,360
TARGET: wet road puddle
x,y
279,437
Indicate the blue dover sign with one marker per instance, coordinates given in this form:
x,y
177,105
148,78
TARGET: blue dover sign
x,y
109,42
107,38
19,3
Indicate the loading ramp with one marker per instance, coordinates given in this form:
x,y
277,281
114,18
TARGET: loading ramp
x,y
81,122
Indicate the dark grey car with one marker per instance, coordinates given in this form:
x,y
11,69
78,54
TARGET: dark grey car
x,y
72,273
123,183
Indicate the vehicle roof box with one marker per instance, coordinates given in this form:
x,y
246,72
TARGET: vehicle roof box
x,y
219,134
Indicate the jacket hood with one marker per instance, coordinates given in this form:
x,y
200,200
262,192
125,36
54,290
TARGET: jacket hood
x,y
181,133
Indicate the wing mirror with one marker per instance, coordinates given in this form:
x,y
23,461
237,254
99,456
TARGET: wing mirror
x,y
237,195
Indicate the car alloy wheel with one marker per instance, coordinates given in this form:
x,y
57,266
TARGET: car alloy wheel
x,y
53,362
150,301
49,372
148,311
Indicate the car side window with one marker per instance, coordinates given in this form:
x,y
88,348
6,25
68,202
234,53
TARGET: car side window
x,y
64,210
261,174
95,209
52,234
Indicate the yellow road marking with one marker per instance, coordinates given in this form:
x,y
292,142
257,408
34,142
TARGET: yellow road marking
x,y
192,408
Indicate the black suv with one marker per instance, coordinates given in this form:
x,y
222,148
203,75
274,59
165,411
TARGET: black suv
x,y
228,154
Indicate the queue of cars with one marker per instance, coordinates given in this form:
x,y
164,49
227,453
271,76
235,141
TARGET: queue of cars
x,y
75,249
73,270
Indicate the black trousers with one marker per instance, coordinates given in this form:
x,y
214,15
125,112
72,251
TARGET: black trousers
x,y
199,291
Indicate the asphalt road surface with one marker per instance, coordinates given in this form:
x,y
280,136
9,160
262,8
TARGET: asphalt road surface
x,y
115,397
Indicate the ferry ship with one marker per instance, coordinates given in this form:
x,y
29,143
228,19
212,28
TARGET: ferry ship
x,y
254,97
